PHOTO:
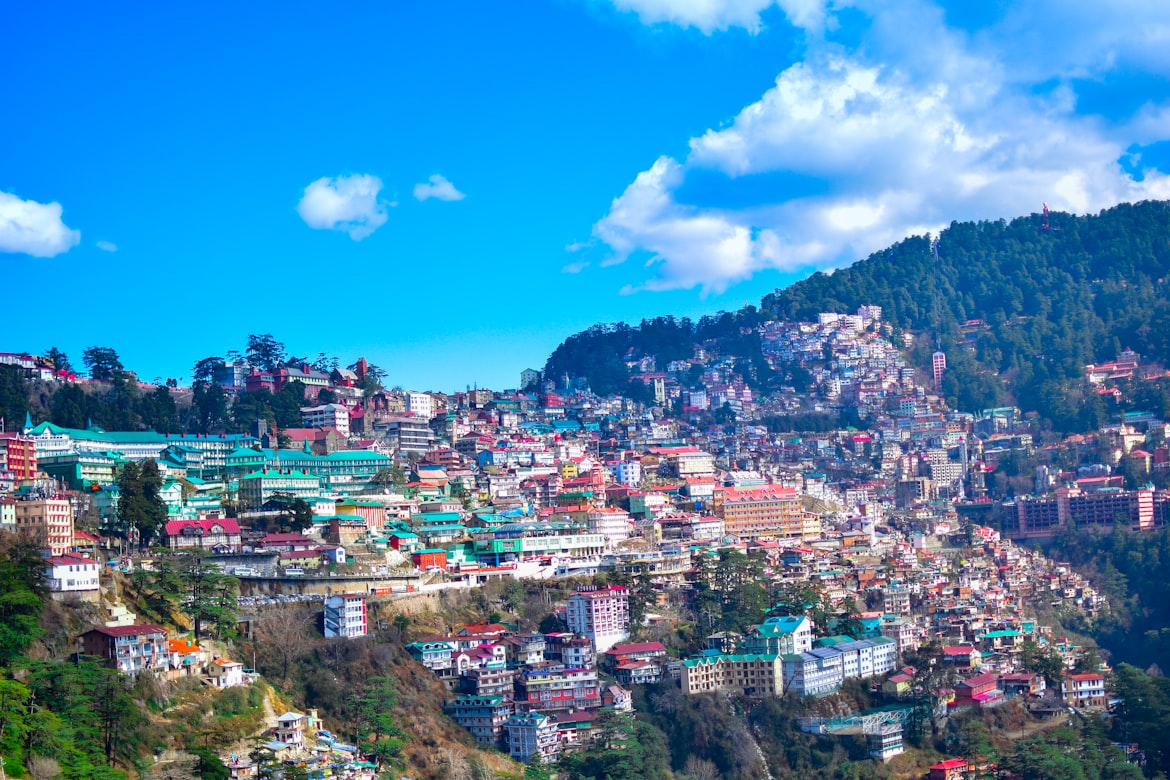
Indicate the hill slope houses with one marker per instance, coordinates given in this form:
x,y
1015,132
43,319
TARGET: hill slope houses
x,y
1050,301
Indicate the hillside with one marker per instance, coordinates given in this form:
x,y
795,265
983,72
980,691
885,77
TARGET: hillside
x,y
1049,301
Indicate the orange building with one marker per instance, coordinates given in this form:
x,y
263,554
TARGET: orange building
x,y
768,510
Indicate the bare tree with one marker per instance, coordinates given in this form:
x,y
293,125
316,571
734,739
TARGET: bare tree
x,y
283,636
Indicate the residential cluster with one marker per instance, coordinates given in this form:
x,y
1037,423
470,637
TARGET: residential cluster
x,y
402,490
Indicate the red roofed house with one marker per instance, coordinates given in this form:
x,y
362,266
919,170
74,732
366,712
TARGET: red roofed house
x,y
635,651
286,542
485,633
225,673
219,534
1084,690
187,658
951,769
963,657
72,573
981,690
129,649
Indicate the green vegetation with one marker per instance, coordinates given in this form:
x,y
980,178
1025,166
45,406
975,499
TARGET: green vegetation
x,y
1128,569
141,512
1050,302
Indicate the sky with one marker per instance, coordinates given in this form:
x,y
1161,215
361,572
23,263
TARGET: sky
x,y
452,188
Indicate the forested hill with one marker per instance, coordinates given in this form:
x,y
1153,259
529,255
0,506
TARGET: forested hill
x,y
1052,299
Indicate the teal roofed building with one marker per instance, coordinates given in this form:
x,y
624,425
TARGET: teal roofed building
x,y
344,471
259,486
137,445
780,636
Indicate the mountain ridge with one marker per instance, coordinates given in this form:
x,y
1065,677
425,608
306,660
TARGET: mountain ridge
x,y
1020,307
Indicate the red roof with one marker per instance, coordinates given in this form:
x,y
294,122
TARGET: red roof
x,y
471,629
69,559
135,630
951,763
636,647
228,524
959,650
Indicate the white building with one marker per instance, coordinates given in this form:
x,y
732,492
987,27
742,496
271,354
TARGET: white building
x,y
602,614
345,615
420,404
70,573
326,416
225,673
627,472
613,524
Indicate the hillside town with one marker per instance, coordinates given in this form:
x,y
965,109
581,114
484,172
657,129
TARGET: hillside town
x,y
922,586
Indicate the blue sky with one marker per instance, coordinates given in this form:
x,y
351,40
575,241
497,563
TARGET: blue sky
x,y
450,189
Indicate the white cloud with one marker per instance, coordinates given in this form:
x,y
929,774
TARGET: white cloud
x,y
32,228
437,187
575,267
917,126
107,246
710,16
346,203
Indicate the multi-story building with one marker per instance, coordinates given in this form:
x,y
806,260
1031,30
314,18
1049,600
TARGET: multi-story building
x,y
21,454
551,686
532,737
483,716
259,486
420,405
488,681
408,434
750,674
49,521
1071,506
524,540
129,649
602,614
80,470
613,524
342,470
326,416
769,510
435,656
780,636
1084,690
626,472
345,615
72,573
138,445
219,534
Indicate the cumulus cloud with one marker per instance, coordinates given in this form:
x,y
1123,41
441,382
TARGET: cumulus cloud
x,y
107,246
915,127
713,15
32,228
437,187
347,203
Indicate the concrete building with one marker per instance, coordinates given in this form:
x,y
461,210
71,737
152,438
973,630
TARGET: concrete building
x,y
129,649
770,510
49,521
72,573
326,416
345,615
532,737
483,716
602,614
749,674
